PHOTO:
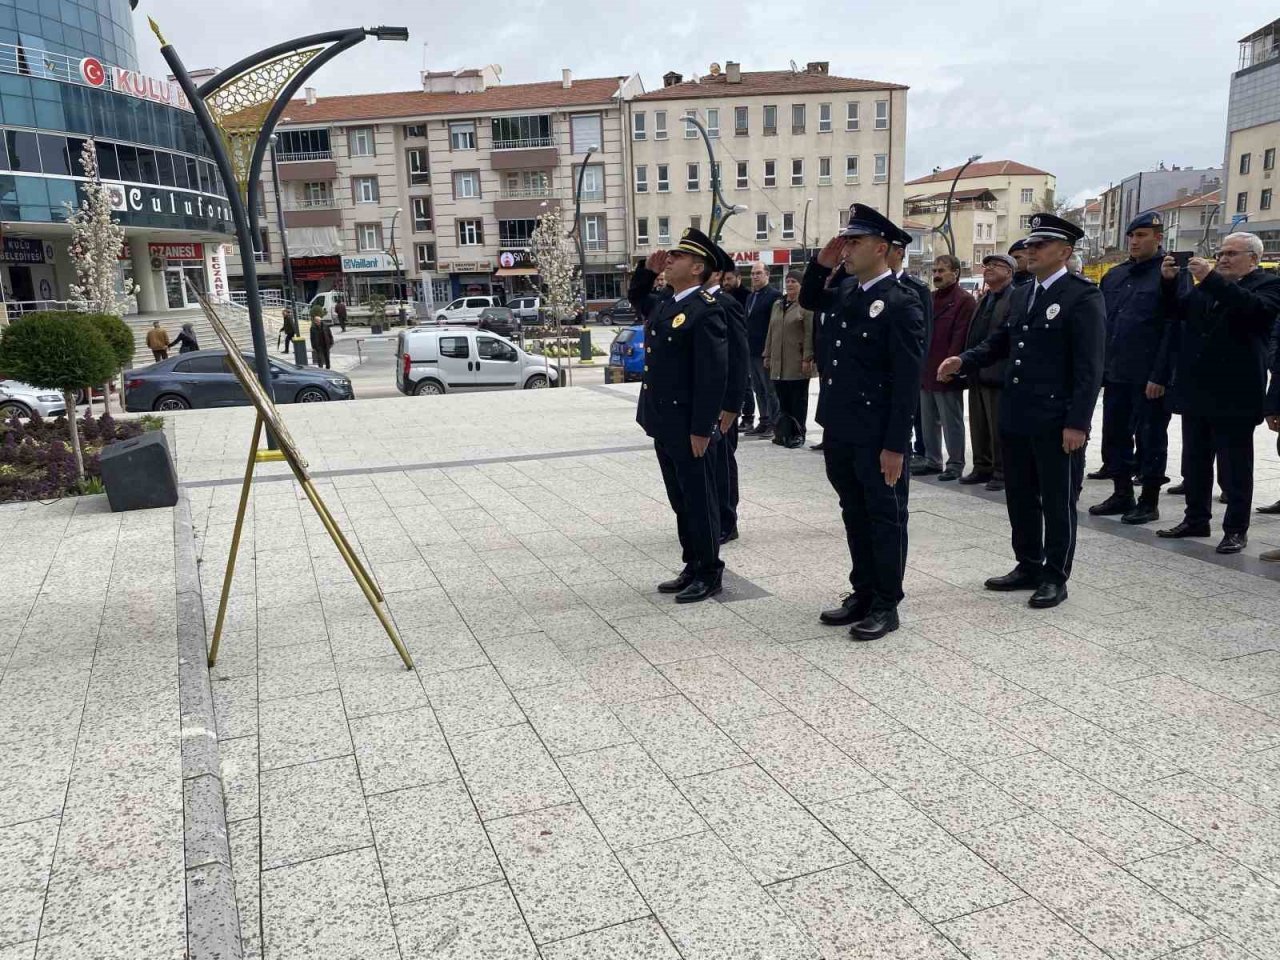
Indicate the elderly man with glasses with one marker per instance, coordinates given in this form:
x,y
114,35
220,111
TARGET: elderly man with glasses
x,y
1218,353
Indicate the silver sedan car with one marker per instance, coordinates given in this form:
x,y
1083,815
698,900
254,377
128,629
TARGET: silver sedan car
x,y
22,399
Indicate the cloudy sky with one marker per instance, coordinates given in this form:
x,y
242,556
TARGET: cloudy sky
x,y
1091,91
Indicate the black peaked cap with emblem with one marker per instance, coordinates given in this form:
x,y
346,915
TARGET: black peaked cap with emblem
x,y
1017,245
1150,219
865,221
1047,226
724,262
696,242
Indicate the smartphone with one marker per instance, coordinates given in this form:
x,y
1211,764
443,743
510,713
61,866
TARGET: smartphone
x,y
1182,258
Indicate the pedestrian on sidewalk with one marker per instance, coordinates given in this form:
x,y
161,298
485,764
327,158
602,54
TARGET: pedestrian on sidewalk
x,y
340,311
788,356
942,403
984,389
158,341
321,341
288,330
187,339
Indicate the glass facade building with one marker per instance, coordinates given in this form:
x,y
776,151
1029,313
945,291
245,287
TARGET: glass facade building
x,y
71,28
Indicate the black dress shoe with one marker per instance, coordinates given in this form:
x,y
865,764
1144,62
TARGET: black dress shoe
x,y
1102,473
949,474
1233,543
1015,579
761,429
1048,595
678,584
994,484
969,479
699,589
794,442
875,625
817,446
746,424
726,537
924,470
1113,506
1222,498
1183,529
1178,489
852,609
1271,508
1144,511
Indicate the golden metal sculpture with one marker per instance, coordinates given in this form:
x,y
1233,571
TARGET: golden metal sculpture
x,y
268,415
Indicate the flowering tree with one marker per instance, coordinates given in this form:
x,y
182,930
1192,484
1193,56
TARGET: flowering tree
x,y
554,257
96,242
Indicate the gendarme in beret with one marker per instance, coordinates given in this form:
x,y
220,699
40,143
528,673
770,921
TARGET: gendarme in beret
x,y
1149,219
1046,226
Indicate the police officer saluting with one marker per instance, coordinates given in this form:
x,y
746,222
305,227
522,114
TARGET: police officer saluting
x,y
685,373
872,351
725,450
1054,339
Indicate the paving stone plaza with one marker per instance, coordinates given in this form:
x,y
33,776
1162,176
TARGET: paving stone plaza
x,y
580,769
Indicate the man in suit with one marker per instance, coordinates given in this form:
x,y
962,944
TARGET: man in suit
x,y
759,308
1218,347
725,450
1055,341
872,353
686,368
984,389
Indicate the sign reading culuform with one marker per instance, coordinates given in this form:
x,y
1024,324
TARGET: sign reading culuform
x,y
167,207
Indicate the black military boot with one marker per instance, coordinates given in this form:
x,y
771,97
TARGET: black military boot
x,y
1147,508
1120,502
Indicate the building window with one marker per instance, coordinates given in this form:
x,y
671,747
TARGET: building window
x,y
1024,221
1269,158
516,234
824,118
797,118
462,135
713,123
299,145
762,226
368,236
642,231
851,115
691,176
264,244
526,185
364,189
664,183
421,214
659,124
425,255
316,193
466,184
1264,200
824,171
695,222
690,131
1028,195
360,141
742,175
1242,202
788,226
642,178
770,120
593,233
592,181
637,125
603,286
797,172
771,173
664,230
740,122
419,172
1246,160
882,114
517,133
470,233
414,131
882,168
585,130
851,169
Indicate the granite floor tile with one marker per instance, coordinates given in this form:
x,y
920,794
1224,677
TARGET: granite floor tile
x,y
296,670
312,810
528,660
483,923
243,839
718,690
19,951
509,771
1020,930
660,639
571,718
35,781
634,940
398,750
932,870
680,739
709,903
430,841
238,760
302,729
629,798
333,908
619,674
1219,948
26,857
467,701
235,707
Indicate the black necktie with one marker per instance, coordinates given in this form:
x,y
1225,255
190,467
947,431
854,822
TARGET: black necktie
x,y
1035,293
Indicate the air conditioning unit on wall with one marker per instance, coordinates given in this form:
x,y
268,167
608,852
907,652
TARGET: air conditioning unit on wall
x,y
157,263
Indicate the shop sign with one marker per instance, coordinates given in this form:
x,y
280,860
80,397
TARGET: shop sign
x,y
212,211
25,250
314,268
132,83
367,263
770,258
177,251
464,266
509,259
218,274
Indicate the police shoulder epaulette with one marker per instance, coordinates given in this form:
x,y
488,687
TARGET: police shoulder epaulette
x,y
709,297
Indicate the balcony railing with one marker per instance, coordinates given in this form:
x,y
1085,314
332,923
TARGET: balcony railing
x,y
300,156
513,244
311,203
592,194
524,143
527,193
595,246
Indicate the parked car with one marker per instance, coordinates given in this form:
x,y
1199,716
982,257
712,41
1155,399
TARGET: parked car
x,y
203,379
527,309
618,312
433,360
499,320
465,310
626,356
22,399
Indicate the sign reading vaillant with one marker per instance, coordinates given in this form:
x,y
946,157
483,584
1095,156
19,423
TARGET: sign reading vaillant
x,y
367,263
96,74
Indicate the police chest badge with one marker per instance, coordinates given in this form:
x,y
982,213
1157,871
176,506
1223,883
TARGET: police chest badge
x,y
1053,311
678,321
876,309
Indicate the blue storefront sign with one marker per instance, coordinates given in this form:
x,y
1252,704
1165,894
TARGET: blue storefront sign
x,y
25,250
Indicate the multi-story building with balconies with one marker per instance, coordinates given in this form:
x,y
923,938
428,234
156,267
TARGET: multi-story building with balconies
x,y
1253,137
445,184
1020,192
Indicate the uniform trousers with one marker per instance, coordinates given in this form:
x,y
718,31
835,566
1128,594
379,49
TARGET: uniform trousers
x,y
793,401
1042,485
766,396
725,455
691,491
984,430
875,520
1135,433
1230,441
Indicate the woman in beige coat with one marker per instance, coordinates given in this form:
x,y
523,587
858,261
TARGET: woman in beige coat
x,y
788,356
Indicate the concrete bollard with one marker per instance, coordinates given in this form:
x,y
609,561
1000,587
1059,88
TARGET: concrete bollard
x,y
299,351
584,345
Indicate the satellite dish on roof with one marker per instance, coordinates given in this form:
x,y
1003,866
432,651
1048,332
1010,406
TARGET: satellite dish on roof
x,y
794,68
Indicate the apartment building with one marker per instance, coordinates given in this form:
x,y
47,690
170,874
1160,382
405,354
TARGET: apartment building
x,y
1020,192
793,147
444,185
1147,190
973,226
1253,134
1191,223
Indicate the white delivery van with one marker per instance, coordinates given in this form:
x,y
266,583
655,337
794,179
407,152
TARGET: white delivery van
x,y
435,360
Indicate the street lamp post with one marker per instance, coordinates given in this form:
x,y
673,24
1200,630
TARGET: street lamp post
x,y
944,227
284,237
804,239
581,240
721,209
395,260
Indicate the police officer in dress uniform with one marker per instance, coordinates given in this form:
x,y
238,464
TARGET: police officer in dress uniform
x,y
686,368
1135,419
725,449
1054,337
644,291
873,348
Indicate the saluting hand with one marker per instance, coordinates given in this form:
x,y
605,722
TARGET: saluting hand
x,y
1072,440
949,368
1199,268
656,261
890,466
699,445
832,254
1169,268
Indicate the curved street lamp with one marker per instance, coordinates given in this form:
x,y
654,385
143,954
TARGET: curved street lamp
x,y
284,237
395,260
804,239
721,209
944,227
576,232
